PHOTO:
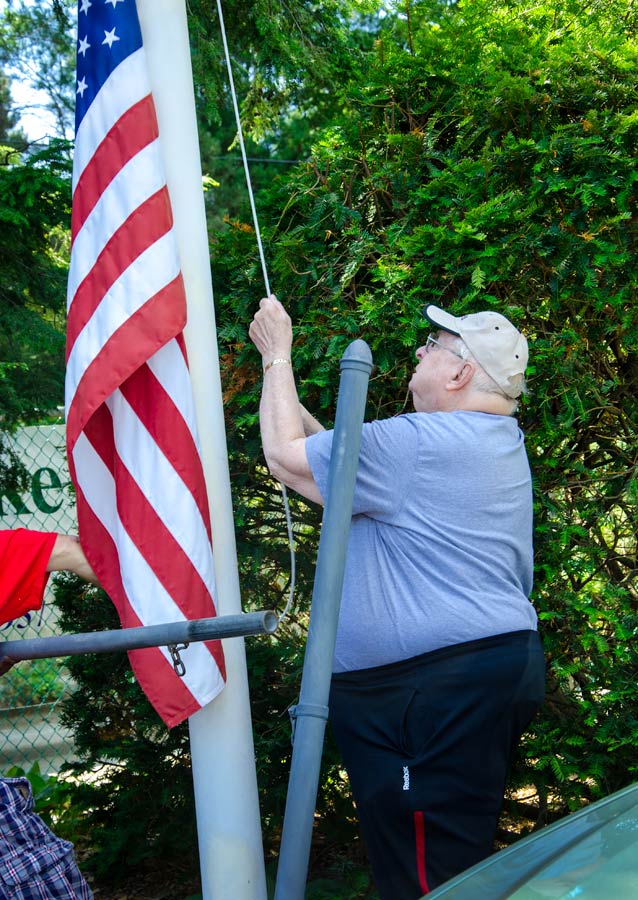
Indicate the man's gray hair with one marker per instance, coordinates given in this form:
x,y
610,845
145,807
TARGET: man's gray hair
x,y
482,382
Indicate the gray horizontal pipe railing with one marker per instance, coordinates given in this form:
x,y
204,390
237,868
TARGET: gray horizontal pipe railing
x,y
242,625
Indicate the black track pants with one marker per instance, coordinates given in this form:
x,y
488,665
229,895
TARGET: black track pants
x,y
427,743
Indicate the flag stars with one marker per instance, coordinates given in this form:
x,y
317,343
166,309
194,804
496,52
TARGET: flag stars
x,y
114,2
82,86
110,37
83,46
85,4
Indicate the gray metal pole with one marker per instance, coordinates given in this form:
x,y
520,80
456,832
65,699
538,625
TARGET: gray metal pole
x,y
145,636
311,712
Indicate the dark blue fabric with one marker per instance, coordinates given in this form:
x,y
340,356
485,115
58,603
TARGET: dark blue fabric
x,y
430,739
107,34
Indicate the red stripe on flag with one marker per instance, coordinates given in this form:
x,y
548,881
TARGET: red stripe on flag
x,y
146,225
152,326
164,422
133,131
164,689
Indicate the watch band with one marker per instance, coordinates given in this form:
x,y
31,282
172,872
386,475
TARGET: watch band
x,y
276,362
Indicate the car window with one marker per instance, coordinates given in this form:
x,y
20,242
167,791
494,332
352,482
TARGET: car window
x,y
602,866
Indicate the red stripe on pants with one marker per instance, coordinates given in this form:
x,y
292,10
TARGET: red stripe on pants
x,y
419,834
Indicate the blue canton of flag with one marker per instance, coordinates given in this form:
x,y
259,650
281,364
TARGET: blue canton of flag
x,y
106,37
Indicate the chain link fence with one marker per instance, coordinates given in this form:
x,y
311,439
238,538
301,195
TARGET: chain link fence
x,y
30,693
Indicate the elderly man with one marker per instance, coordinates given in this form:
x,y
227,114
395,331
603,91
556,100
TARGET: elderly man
x,y
34,863
438,666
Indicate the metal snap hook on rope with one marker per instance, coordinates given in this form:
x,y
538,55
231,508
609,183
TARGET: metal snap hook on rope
x,y
178,662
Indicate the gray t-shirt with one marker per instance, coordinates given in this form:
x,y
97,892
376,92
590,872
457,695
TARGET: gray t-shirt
x,y
440,548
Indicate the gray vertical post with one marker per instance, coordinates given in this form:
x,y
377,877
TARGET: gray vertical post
x,y
311,712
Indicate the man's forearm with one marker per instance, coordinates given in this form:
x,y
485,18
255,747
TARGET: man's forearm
x,y
280,416
282,433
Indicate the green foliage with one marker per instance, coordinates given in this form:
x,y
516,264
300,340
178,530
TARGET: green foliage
x,y
9,134
36,45
289,57
292,66
34,245
31,682
34,216
39,783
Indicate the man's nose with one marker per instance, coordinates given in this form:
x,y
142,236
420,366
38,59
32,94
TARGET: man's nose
x,y
420,353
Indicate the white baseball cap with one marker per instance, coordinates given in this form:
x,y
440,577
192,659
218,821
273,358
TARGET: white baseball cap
x,y
493,341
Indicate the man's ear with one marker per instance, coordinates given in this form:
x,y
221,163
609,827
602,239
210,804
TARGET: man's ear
x,y
461,378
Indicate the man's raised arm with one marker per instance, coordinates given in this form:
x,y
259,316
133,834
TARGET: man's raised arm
x,y
284,423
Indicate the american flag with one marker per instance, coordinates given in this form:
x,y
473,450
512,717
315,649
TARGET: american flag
x,y
131,435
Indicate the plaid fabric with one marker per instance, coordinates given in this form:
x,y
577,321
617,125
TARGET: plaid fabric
x,y
34,863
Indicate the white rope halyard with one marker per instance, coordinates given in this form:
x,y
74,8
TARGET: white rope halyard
x,y
284,494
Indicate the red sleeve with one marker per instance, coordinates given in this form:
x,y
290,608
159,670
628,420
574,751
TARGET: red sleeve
x,y
23,570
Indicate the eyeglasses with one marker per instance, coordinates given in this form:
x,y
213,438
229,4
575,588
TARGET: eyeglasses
x,y
432,341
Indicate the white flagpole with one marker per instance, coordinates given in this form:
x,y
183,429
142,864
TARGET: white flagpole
x,y
224,777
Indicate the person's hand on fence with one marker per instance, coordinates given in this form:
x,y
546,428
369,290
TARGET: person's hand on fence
x,y
5,664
